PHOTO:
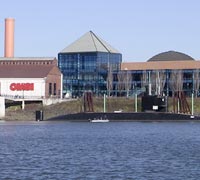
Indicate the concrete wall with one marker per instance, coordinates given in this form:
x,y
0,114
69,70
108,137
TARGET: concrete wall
x,y
50,101
2,107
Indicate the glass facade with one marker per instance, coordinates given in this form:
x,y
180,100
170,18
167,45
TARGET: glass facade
x,y
88,71
158,82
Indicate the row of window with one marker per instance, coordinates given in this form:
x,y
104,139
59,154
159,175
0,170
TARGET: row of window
x,y
86,70
26,62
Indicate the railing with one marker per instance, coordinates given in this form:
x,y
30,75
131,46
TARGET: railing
x,y
29,97
7,96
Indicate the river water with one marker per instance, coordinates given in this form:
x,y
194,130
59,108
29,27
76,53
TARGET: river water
x,y
127,151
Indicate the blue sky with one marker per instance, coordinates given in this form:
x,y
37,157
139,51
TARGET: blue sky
x,y
139,29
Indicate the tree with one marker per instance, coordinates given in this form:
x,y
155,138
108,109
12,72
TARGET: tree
x,y
176,81
109,80
153,82
160,81
120,85
128,82
196,82
144,80
179,81
180,103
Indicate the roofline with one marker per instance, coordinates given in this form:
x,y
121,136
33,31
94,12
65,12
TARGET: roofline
x,y
104,45
161,65
27,58
75,52
99,41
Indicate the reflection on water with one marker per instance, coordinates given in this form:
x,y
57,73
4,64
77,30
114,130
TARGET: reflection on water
x,y
62,150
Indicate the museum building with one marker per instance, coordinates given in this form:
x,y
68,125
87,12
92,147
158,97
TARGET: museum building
x,y
30,78
163,74
91,64
87,64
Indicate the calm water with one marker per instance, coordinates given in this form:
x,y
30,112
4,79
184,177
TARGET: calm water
x,y
62,150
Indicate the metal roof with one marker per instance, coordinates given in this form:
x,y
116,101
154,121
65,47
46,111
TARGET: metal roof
x,y
162,65
89,42
171,56
25,71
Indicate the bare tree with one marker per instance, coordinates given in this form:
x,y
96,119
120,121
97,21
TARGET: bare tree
x,y
128,82
109,80
176,81
153,78
120,85
180,104
172,82
179,81
160,81
196,82
144,79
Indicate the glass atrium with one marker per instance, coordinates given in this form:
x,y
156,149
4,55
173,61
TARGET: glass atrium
x,y
87,64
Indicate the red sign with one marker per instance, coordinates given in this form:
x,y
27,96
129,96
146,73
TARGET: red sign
x,y
22,87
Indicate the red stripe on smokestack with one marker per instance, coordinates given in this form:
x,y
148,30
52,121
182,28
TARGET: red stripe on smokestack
x,y
9,37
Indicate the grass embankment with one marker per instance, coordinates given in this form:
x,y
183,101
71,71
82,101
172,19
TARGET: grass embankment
x,y
112,104
16,113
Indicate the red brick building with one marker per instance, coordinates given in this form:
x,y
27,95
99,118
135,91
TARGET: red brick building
x,y
34,78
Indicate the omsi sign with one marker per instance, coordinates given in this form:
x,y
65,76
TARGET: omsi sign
x,y
22,87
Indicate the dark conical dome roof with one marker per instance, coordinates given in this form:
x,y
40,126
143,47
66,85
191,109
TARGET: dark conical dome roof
x,y
171,56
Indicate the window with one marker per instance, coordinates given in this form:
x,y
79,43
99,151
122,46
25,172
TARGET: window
x,y
50,89
54,89
80,69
